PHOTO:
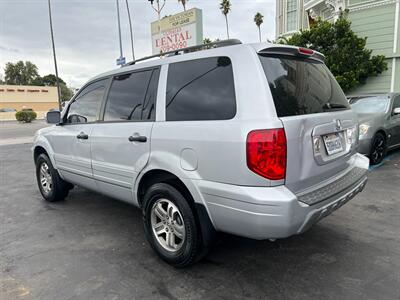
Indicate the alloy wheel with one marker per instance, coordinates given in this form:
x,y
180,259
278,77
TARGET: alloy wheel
x,y
167,225
46,180
378,149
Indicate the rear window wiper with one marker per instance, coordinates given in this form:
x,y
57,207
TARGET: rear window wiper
x,y
334,106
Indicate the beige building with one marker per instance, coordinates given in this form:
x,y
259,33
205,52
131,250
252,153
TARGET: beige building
x,y
39,98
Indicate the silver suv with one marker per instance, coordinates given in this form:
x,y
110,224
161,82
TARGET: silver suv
x,y
256,140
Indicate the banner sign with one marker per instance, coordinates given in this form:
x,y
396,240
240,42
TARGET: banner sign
x,y
177,31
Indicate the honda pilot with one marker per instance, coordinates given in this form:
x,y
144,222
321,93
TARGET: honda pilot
x,y
255,140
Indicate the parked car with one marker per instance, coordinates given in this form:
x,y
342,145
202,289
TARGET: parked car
x,y
254,140
379,129
6,109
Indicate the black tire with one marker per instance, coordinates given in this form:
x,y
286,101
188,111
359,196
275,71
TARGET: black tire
x,y
59,188
191,249
378,149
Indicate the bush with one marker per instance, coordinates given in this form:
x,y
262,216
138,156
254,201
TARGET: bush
x,y
25,116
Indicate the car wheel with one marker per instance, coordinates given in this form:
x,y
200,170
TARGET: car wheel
x,y
170,225
51,186
378,149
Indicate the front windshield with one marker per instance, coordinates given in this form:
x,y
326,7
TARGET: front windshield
x,y
369,105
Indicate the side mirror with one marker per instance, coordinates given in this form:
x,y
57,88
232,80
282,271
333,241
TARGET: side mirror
x,y
53,117
396,111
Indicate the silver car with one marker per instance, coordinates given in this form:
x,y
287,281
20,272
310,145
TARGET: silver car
x,y
379,118
256,140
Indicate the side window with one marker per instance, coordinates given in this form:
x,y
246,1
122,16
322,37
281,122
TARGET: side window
x,y
132,96
87,104
201,89
396,103
149,105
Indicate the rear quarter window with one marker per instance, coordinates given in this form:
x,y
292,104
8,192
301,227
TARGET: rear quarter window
x,y
201,89
301,86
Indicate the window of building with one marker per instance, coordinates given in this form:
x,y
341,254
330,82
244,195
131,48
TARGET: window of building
x,y
86,105
201,89
132,96
356,2
291,15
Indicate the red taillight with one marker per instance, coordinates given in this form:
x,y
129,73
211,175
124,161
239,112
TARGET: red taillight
x,y
266,153
306,51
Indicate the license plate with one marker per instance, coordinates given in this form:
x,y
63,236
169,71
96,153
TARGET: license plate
x,y
333,143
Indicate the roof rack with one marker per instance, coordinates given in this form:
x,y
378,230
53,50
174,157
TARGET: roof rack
x,y
218,44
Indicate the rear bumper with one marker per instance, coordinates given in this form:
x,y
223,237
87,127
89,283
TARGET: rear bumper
x,y
273,212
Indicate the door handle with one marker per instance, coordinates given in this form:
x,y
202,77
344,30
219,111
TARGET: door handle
x,y
138,138
82,136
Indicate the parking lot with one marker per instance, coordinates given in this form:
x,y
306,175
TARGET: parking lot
x,y
91,246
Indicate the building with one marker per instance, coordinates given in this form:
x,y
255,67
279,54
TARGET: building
x,y
39,98
290,17
378,20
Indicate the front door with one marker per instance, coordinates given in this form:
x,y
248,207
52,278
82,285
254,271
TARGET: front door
x,y
71,139
120,143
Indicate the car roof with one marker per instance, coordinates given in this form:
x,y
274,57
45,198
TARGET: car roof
x,y
225,50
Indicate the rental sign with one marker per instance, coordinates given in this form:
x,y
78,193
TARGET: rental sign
x,y
178,31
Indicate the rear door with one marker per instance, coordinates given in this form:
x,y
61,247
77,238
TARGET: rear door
x,y
394,123
319,124
120,143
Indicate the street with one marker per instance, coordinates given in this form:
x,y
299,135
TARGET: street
x,y
91,246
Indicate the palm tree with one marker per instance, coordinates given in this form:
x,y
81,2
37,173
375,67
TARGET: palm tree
x,y
183,3
259,19
225,7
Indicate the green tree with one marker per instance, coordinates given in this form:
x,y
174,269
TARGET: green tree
x,y
226,7
51,80
208,41
183,3
66,92
259,19
20,73
48,80
345,53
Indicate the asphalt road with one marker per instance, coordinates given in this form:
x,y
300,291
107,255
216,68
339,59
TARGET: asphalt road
x,y
93,247
13,132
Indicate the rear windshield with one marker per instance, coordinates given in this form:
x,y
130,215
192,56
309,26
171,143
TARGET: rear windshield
x,y
302,86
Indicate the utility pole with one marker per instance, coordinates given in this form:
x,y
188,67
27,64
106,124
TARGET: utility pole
x,y
130,29
121,59
55,59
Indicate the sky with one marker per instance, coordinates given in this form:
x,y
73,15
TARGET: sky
x,y
86,31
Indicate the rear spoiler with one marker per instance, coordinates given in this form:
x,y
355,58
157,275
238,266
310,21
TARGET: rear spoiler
x,y
294,51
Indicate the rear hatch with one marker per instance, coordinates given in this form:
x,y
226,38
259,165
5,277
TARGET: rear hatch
x,y
321,130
